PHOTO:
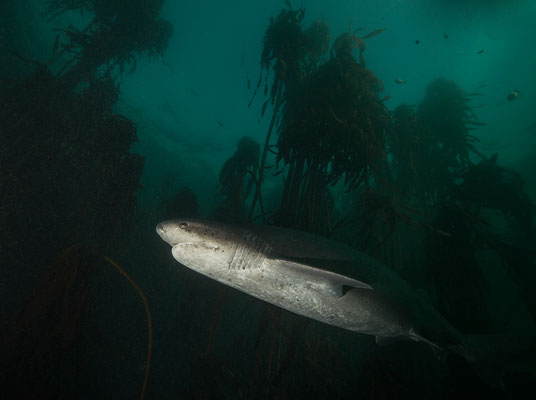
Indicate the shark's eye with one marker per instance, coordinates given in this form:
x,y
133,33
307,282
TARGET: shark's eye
x,y
183,225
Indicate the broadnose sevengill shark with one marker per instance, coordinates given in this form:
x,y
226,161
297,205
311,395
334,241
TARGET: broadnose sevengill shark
x,y
318,278
312,276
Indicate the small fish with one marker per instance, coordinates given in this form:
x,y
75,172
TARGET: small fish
x,y
400,81
446,35
220,124
386,98
512,95
417,41
481,51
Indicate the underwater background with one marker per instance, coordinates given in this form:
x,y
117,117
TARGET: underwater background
x,y
403,128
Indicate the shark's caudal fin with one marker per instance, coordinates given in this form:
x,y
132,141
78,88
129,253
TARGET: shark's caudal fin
x,y
492,356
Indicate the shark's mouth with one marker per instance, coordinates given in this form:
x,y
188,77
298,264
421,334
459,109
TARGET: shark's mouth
x,y
197,244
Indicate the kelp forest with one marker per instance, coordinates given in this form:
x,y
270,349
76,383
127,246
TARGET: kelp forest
x,y
421,197
409,186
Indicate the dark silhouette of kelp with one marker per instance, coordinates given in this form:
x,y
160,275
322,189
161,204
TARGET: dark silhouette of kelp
x,y
114,36
237,176
322,136
431,151
66,176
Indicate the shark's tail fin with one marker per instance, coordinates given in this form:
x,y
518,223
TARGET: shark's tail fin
x,y
492,356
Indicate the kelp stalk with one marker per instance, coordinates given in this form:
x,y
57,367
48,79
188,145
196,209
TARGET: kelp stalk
x,y
257,196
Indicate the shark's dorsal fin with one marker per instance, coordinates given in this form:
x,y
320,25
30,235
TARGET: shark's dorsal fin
x,y
329,283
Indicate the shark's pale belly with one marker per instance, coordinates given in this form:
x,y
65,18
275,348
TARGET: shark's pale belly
x,y
356,310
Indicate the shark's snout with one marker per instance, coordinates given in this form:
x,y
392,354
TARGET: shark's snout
x,y
165,231
174,231
161,230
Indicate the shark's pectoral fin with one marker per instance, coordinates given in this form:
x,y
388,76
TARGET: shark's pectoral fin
x,y
328,283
